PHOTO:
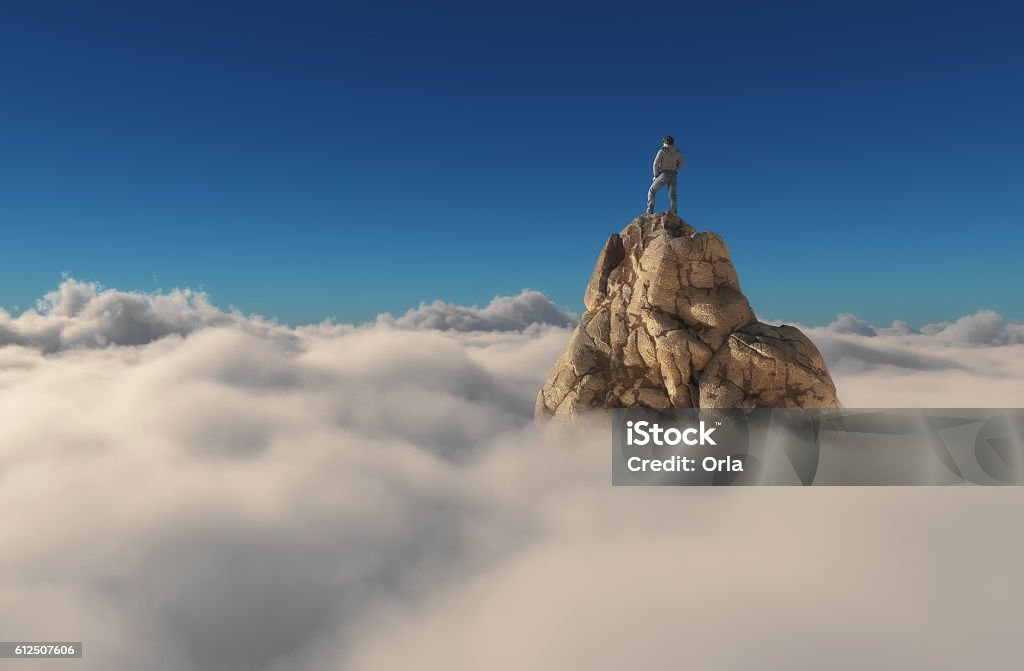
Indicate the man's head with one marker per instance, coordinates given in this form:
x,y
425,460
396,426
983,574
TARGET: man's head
x,y
668,140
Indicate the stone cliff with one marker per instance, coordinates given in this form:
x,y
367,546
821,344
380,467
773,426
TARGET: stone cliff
x,y
667,326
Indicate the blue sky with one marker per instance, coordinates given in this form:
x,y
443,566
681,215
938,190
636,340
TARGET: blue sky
x,y
305,160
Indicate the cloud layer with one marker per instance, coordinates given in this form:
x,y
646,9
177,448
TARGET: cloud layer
x,y
185,488
985,327
976,361
86,315
504,313
82,314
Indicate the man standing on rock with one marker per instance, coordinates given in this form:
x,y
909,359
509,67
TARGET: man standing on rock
x,y
666,164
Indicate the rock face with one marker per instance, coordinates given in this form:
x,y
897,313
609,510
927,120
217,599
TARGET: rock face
x,y
668,326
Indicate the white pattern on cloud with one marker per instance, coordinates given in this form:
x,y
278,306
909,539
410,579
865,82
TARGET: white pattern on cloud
x,y
230,493
849,324
83,314
504,313
985,327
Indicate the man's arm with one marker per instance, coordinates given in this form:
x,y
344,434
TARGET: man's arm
x,y
657,162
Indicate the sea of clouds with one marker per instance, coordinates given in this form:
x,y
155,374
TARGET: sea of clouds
x,y
184,487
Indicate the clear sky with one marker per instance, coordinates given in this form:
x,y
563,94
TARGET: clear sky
x,y
312,159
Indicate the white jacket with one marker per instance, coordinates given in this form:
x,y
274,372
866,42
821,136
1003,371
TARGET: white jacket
x,y
668,158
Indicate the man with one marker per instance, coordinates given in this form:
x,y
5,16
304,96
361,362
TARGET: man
x,y
666,164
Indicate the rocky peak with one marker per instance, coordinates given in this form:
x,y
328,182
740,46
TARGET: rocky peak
x,y
667,325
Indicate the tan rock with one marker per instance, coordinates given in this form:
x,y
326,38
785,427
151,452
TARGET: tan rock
x,y
767,366
611,256
667,325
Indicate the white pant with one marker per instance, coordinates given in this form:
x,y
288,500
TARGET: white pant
x,y
666,177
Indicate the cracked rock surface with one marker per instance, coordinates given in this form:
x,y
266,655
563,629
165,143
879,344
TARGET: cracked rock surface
x,y
668,326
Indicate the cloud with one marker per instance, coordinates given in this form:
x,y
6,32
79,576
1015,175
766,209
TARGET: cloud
x,y
985,327
240,494
82,314
86,315
847,323
504,313
852,355
975,361
982,328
